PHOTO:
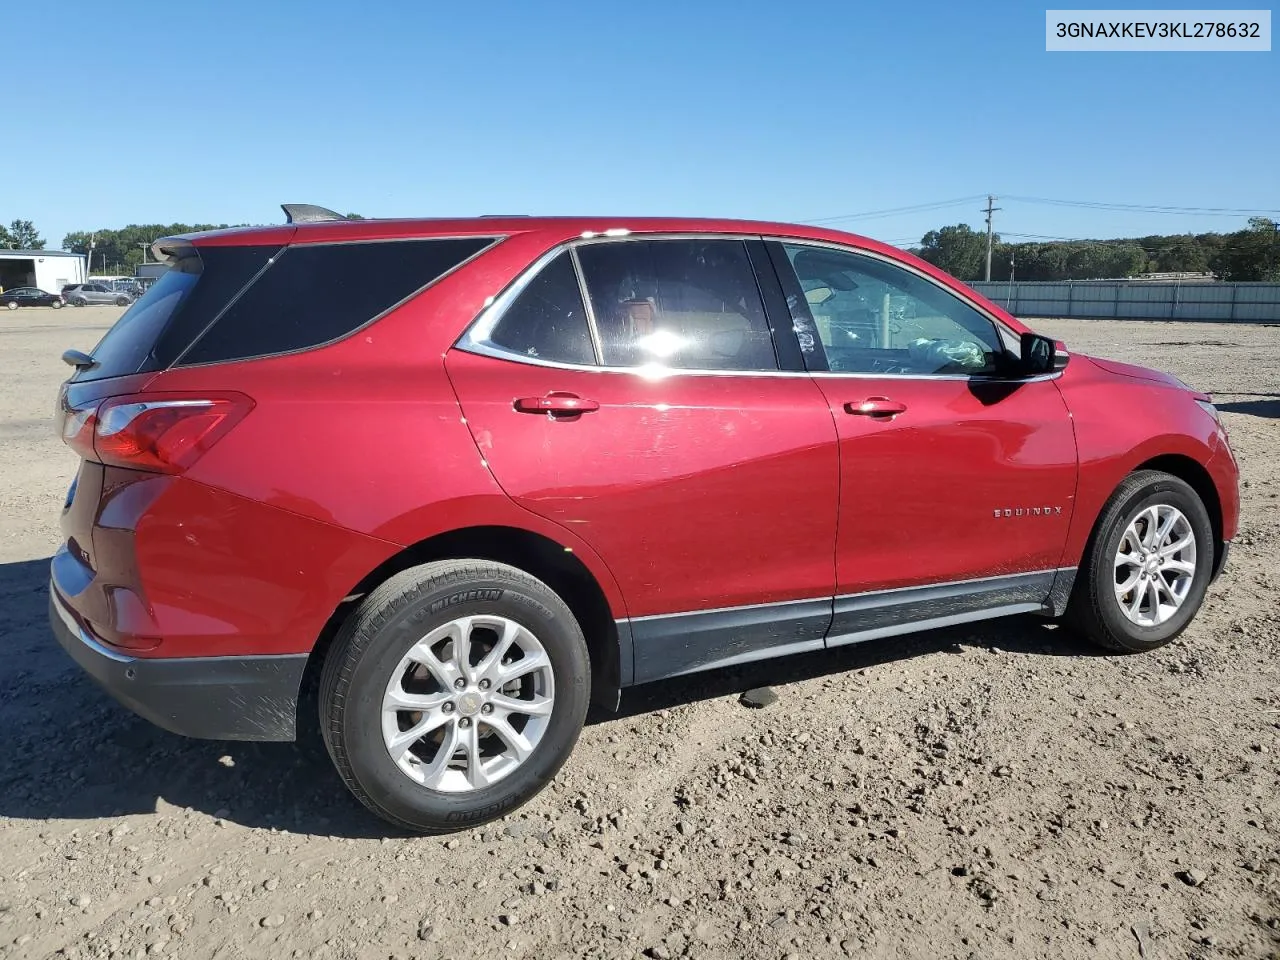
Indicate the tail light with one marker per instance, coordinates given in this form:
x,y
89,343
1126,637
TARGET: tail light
x,y
164,434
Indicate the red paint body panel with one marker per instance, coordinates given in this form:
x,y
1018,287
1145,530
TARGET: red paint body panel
x,y
920,490
679,493
224,575
180,569
702,491
1122,421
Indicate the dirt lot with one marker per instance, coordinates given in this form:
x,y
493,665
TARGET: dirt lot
x,y
992,791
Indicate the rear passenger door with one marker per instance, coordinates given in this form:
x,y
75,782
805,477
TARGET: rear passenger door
x,y
630,390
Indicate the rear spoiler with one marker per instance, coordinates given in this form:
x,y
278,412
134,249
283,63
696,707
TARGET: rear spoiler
x,y
169,249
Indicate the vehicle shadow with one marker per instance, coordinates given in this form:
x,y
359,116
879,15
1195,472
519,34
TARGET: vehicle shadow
x,y
1256,408
1022,635
72,753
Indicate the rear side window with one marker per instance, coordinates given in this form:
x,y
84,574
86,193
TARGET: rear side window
x,y
547,320
226,271
315,293
678,303
169,316
127,345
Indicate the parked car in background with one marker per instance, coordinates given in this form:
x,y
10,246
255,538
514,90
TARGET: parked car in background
x,y
129,286
29,297
82,294
526,461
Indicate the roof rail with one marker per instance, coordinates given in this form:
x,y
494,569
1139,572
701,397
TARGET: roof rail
x,y
308,213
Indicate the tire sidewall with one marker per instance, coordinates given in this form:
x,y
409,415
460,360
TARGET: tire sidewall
x,y
1172,493
389,787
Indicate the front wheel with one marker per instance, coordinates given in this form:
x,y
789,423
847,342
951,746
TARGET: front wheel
x,y
1147,567
56,304
12,305
453,694
122,301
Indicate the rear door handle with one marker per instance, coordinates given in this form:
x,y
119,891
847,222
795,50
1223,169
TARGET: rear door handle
x,y
557,405
875,407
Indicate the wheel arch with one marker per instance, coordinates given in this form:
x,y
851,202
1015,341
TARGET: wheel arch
x,y
553,563
1197,476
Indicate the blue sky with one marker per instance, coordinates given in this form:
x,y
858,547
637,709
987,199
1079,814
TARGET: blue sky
x,y
793,111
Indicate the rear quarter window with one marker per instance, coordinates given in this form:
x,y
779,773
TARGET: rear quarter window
x,y
165,320
313,294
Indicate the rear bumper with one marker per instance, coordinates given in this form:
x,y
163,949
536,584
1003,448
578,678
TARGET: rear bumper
x,y
213,698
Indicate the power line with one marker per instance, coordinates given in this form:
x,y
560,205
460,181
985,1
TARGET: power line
x,y
892,211
1141,207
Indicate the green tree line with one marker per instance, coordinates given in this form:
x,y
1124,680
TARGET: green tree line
x,y
127,246
21,235
1249,254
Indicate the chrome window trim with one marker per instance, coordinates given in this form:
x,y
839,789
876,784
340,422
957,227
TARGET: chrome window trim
x,y
597,345
474,338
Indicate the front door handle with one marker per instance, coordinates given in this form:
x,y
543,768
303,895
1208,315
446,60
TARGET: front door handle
x,y
557,405
875,407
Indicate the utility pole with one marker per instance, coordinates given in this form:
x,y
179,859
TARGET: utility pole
x,y
990,210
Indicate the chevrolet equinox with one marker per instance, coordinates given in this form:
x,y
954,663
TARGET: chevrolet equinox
x,y
470,475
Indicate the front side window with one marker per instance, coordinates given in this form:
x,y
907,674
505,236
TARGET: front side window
x,y
692,304
871,316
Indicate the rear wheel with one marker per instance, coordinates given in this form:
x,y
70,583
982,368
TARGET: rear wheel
x,y
80,301
1147,567
453,694
12,305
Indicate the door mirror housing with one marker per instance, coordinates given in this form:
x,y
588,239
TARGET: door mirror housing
x,y
1040,355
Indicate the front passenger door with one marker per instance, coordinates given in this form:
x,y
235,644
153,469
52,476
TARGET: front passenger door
x,y
957,483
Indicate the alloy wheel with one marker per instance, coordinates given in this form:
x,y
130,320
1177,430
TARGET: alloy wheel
x,y
468,704
1155,565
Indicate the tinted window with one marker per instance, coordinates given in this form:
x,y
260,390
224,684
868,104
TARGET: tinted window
x,y
227,271
173,312
547,320
128,343
313,294
871,316
678,303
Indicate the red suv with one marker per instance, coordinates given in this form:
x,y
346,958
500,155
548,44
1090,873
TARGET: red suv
x,y
475,473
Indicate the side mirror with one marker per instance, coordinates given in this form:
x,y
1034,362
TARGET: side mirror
x,y
1040,355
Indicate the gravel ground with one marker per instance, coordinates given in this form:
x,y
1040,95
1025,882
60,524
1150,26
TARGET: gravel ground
x,y
988,791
